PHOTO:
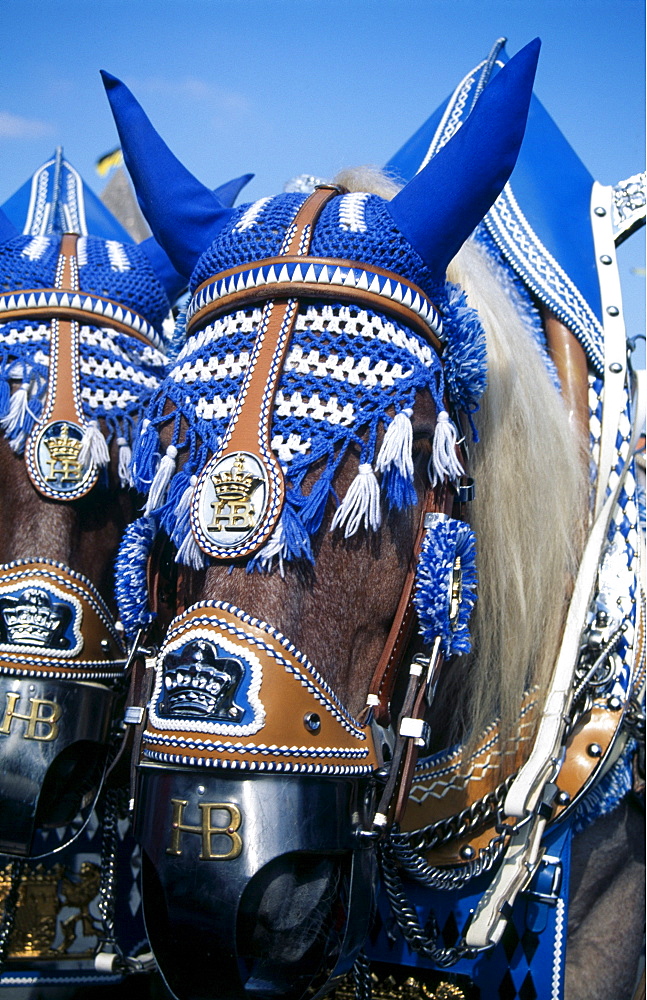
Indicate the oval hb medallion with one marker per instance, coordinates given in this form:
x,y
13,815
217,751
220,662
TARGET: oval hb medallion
x,y
52,457
229,503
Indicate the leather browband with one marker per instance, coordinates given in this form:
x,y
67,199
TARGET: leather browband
x,y
82,307
319,279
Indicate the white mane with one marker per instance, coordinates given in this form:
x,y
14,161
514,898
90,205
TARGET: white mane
x,y
529,513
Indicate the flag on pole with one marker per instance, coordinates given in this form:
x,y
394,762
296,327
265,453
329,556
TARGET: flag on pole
x,y
109,160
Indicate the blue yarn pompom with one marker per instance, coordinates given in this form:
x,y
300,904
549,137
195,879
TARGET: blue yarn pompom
x,y
445,542
465,356
131,585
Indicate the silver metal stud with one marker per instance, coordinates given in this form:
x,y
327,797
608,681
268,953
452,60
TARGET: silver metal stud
x,y
615,367
562,798
201,789
613,311
594,750
614,703
600,211
605,259
467,853
312,722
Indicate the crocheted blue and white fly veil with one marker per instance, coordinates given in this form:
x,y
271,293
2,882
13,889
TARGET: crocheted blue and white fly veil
x,y
117,371
350,372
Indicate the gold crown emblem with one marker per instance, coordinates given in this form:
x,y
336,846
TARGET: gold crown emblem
x,y
234,485
64,449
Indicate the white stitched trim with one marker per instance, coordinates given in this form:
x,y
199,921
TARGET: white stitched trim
x,y
117,256
249,217
556,992
36,247
351,212
82,251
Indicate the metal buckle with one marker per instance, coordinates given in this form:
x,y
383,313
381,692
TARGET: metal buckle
x,y
547,882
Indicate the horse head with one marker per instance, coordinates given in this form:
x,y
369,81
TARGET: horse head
x,y
323,349
80,350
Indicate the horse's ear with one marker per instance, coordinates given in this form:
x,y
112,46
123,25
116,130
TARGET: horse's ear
x,y
185,216
174,283
7,229
440,206
229,191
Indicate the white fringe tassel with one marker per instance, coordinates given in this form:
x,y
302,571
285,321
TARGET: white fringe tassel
x,y
125,459
94,447
162,478
274,548
183,504
190,553
361,503
397,446
14,418
444,461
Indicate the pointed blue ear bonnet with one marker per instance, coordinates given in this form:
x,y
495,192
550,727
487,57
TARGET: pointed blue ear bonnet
x,y
165,188
435,212
171,279
460,183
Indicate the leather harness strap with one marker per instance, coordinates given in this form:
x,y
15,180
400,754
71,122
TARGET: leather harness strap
x,y
55,439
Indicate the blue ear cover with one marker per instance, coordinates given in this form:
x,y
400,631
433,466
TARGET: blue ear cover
x,y
174,282
440,207
7,229
185,216
229,191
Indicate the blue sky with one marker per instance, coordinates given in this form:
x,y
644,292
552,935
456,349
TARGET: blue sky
x,y
280,87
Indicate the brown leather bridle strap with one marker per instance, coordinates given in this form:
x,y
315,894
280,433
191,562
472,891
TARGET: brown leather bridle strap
x,y
62,412
380,692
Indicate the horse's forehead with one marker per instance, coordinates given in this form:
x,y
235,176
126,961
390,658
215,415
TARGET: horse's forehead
x,y
355,226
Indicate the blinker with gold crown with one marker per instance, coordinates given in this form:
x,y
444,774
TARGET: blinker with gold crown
x,y
230,500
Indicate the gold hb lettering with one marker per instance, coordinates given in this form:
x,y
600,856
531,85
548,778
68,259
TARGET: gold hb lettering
x,y
234,516
48,723
207,830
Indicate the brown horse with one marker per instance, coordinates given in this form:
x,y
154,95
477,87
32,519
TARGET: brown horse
x,y
312,362
81,349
